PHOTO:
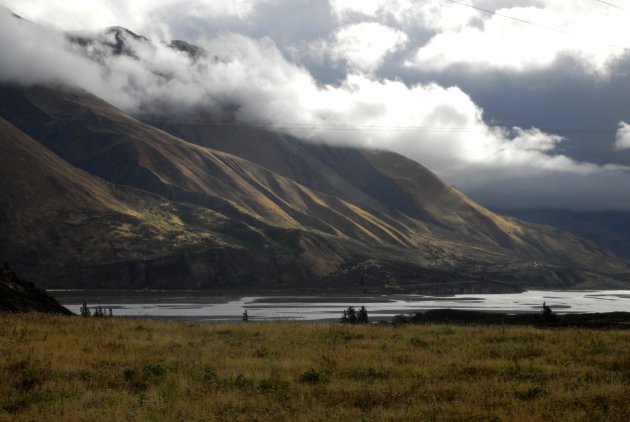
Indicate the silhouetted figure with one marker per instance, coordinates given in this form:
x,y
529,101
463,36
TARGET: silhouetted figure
x,y
245,316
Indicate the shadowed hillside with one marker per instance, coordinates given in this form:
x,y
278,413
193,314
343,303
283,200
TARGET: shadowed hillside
x,y
305,212
17,295
400,189
608,229
66,228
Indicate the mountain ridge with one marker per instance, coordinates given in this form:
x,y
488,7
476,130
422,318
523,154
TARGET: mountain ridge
x,y
92,132
231,205
610,229
66,228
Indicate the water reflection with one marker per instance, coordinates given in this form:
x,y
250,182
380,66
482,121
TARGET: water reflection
x,y
200,306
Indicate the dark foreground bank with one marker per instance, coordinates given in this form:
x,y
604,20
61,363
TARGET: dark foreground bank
x,y
619,320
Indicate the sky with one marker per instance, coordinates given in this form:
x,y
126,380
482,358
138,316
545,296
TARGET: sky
x,y
518,103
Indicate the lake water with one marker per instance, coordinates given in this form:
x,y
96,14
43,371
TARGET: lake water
x,y
201,306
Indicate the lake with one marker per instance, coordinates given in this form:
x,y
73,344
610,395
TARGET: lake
x,y
202,306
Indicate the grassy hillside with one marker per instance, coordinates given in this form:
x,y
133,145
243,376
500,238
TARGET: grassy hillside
x,y
65,227
96,137
456,231
123,369
57,219
300,214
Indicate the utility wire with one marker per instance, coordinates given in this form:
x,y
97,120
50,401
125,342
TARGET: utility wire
x,y
548,28
613,5
376,128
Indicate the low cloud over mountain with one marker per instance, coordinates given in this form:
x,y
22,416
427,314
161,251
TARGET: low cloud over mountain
x,y
451,86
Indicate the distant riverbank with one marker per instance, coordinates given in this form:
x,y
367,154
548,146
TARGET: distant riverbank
x,y
210,306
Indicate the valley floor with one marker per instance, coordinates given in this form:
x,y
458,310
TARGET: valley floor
x,y
72,368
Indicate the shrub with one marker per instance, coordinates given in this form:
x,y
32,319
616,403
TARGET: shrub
x,y
401,319
142,378
209,373
547,315
352,316
312,376
362,316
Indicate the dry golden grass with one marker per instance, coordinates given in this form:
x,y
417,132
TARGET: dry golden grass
x,y
71,368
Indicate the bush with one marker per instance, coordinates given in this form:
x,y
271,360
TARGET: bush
x,y
351,316
142,378
547,315
362,316
401,319
313,376
99,311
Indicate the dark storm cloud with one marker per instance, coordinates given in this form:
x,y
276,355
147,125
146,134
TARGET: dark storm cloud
x,y
563,191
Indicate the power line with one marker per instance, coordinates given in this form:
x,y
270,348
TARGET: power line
x,y
377,128
548,28
613,5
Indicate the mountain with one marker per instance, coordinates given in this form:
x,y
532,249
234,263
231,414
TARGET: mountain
x,y
112,40
64,227
130,205
389,184
17,295
94,197
608,229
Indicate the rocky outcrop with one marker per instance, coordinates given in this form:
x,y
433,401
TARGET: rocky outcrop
x,y
17,295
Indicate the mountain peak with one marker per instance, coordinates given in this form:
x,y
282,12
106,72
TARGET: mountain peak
x,y
120,31
192,50
114,40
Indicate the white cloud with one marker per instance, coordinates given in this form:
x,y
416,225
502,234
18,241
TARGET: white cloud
x,y
136,14
342,8
364,45
431,14
441,127
594,33
33,54
622,138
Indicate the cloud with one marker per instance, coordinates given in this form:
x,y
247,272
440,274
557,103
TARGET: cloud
x,y
364,45
33,54
438,15
594,33
563,191
97,14
440,125
622,138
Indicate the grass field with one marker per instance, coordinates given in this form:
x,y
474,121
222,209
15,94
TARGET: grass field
x,y
72,368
